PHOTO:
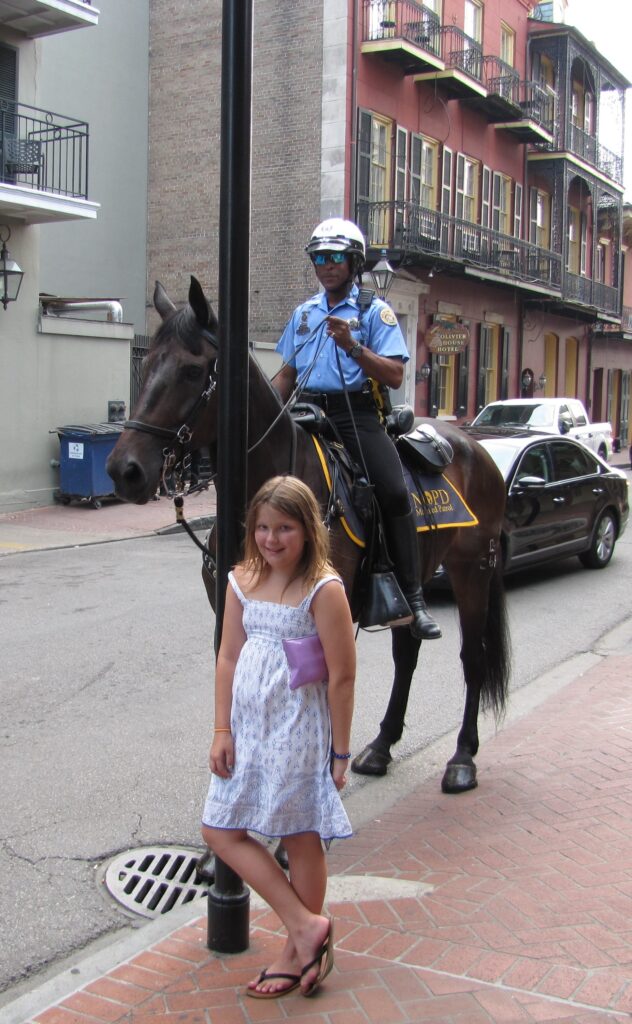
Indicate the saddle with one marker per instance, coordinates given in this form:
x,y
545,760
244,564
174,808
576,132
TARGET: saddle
x,y
425,448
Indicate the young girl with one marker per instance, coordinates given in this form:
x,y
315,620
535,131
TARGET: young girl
x,y
280,756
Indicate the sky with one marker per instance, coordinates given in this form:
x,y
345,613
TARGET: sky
x,y
608,24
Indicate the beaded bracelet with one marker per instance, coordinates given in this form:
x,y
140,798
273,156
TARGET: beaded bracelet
x,y
340,757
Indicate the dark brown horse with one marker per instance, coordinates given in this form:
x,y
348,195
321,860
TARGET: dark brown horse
x,y
178,400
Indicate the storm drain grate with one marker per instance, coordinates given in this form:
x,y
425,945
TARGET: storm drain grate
x,y
152,880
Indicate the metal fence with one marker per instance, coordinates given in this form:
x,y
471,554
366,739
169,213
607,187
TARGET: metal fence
x,y
140,347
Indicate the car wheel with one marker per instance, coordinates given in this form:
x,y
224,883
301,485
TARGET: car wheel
x,y
602,545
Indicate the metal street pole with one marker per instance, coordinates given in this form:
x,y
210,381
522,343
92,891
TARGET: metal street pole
x,y
229,899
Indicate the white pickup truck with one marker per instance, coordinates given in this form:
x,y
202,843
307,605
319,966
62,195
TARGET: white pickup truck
x,y
553,416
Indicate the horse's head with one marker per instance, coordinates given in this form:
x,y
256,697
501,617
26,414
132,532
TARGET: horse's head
x,y
174,409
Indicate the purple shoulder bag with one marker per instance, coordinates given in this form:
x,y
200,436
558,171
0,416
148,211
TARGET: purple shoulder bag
x,y
306,659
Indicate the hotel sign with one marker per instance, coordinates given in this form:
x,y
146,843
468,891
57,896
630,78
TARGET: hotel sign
x,y
447,337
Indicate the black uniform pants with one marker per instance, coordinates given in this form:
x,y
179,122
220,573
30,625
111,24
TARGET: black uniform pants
x,y
380,456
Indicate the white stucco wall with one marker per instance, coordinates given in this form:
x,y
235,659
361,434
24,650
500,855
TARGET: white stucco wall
x,y
62,372
100,75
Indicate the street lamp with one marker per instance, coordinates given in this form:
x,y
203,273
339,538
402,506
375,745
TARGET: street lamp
x,y
10,273
423,373
383,276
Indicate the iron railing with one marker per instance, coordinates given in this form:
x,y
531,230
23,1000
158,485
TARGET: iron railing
x,y
603,297
461,52
42,150
590,149
500,78
402,19
417,230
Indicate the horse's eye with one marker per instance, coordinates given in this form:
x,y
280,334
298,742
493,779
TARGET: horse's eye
x,y
193,373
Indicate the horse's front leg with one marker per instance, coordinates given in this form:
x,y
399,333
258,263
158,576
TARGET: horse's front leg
x,y
376,757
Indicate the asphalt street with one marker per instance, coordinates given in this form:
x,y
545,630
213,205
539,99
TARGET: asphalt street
x,y
107,694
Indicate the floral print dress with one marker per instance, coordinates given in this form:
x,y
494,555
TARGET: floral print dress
x,y
281,782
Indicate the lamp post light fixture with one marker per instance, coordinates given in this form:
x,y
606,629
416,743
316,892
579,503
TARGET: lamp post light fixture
x,y
382,276
526,379
423,373
10,273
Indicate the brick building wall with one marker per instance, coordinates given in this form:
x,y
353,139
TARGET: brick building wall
x,y
184,152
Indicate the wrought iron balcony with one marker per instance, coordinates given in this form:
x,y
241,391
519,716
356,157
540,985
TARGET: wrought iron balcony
x,y
404,32
35,18
413,230
462,76
501,81
590,149
42,155
587,292
524,108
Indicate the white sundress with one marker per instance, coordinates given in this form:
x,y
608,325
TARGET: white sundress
x,y
281,782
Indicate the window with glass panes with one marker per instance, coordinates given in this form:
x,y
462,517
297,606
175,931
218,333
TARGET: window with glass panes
x,y
507,44
423,171
445,383
473,23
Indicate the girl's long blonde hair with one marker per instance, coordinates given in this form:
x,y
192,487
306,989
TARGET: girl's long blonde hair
x,y
293,498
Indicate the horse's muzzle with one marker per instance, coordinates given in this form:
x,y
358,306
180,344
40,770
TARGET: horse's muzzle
x,y
134,479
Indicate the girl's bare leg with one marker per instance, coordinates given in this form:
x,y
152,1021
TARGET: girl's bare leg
x,y
308,878
307,930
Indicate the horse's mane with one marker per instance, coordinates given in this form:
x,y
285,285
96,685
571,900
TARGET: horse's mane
x,y
184,326
265,380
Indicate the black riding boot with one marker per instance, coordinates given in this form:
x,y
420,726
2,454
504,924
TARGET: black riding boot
x,y
401,535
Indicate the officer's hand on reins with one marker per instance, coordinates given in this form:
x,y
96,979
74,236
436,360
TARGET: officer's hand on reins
x,y
338,329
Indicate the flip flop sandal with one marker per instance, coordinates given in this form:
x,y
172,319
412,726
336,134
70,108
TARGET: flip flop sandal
x,y
326,951
295,979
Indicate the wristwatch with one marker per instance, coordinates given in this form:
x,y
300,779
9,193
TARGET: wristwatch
x,y
356,350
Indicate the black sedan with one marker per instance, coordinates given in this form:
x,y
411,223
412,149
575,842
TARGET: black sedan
x,y
562,499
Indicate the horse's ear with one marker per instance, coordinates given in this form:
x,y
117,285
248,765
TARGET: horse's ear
x,y
203,312
162,302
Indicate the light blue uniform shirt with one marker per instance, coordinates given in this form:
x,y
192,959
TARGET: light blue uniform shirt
x,y
305,343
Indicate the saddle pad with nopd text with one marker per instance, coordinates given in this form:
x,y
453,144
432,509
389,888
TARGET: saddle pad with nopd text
x,y
436,502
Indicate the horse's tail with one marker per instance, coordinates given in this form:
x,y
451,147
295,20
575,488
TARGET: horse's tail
x,y
496,648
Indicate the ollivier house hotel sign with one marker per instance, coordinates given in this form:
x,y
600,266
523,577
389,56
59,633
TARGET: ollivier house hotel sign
x,y
447,337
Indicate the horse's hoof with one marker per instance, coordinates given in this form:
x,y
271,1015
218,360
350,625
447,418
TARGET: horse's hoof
x,y
458,778
371,762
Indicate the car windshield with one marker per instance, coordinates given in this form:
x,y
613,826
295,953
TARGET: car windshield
x,y
503,453
516,415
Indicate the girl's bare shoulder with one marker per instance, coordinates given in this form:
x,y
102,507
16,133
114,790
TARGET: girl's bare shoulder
x,y
245,578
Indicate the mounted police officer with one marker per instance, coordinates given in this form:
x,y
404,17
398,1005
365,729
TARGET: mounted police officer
x,y
369,347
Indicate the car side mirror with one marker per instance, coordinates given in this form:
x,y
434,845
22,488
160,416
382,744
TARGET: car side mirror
x,y
529,483
565,425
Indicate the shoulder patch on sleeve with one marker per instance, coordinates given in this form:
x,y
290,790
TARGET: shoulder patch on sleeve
x,y
387,316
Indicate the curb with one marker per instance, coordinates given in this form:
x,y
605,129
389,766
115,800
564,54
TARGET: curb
x,y
201,523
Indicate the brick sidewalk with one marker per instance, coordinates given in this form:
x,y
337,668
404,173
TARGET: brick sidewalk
x,y
529,918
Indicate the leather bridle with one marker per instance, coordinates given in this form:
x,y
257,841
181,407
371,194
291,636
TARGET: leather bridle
x,y
181,435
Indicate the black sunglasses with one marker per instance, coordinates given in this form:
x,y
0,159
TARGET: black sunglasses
x,y
319,259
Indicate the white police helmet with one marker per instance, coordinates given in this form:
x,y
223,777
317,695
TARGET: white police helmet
x,y
337,235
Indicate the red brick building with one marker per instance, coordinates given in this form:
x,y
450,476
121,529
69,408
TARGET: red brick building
x,y
478,147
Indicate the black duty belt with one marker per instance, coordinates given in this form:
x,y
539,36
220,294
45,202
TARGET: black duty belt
x,y
336,401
